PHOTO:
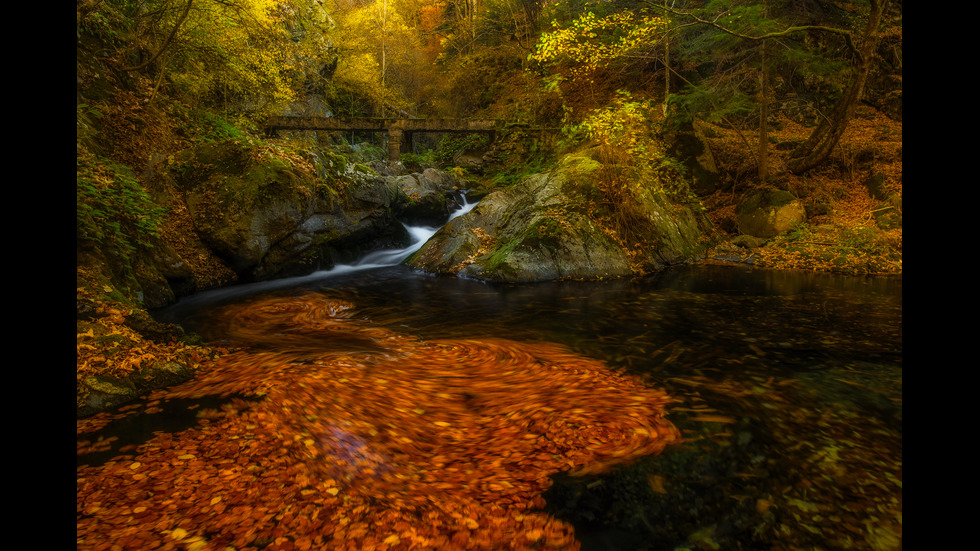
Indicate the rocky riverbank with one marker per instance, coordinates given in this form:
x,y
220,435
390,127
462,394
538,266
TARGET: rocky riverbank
x,y
245,210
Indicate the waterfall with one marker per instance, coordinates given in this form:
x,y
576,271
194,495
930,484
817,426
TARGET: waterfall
x,y
377,259
392,257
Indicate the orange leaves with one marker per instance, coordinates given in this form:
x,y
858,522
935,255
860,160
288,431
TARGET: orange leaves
x,y
106,345
399,445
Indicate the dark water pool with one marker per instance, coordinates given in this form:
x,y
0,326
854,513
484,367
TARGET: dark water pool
x,y
788,389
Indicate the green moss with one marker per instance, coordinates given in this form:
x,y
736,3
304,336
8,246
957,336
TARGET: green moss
x,y
332,162
497,263
544,233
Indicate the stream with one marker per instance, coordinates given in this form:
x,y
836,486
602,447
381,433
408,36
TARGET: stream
x,y
786,388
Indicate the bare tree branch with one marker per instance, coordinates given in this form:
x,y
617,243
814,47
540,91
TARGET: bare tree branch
x,y
774,34
166,42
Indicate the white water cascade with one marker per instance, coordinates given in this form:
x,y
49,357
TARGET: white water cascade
x,y
377,259
392,257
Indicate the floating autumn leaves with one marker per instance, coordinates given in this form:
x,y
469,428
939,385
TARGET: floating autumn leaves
x,y
381,442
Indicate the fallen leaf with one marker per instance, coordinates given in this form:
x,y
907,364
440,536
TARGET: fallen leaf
x,y
656,482
713,419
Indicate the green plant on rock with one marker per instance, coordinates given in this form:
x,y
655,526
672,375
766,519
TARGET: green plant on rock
x,y
622,140
635,169
214,128
514,172
358,167
112,207
85,124
114,211
452,145
418,161
620,131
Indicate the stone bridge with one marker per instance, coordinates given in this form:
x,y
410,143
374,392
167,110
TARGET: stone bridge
x,y
399,131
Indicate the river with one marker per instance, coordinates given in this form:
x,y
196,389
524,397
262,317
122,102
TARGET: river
x,y
786,389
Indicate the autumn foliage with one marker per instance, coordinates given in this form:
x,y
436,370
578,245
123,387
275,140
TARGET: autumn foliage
x,y
369,439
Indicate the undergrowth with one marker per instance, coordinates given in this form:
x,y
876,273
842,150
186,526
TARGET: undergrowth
x,y
840,234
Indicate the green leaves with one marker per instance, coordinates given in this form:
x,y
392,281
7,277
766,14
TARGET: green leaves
x,y
112,208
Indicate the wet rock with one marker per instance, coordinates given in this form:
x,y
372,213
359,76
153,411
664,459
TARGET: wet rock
x,y
103,392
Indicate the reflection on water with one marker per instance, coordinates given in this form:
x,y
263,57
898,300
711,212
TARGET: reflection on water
x,y
788,393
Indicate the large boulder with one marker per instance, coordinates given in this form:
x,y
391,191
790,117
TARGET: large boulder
x,y
767,213
429,197
243,202
426,202
543,228
340,227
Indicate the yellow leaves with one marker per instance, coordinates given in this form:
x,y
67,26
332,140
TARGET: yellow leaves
x,y
192,543
534,535
590,42
253,50
762,505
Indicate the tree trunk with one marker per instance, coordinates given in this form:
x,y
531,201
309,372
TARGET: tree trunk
x,y
822,141
666,63
764,117
166,43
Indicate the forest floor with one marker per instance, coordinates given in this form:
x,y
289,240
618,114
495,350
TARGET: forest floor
x,y
841,234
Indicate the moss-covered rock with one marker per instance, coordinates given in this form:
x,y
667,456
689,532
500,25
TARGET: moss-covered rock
x,y
768,213
269,213
243,200
546,227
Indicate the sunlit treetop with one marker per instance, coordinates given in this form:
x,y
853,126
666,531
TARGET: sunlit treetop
x,y
591,42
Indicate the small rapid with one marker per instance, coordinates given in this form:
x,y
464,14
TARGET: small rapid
x,y
393,257
418,235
